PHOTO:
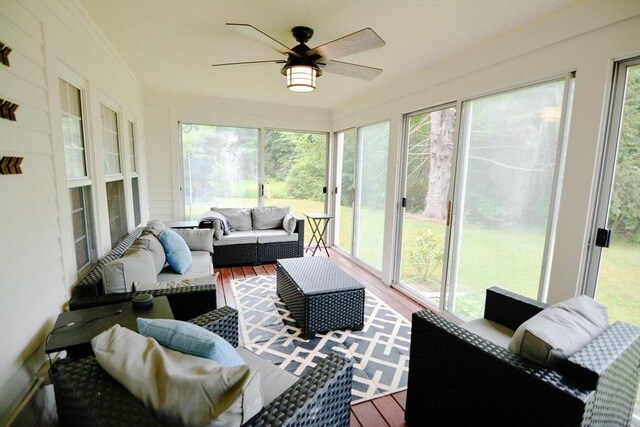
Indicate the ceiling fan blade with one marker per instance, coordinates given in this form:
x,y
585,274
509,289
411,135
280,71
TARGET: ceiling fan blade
x,y
276,61
351,70
254,33
359,41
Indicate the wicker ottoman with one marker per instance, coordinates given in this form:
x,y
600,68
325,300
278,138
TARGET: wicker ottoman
x,y
319,295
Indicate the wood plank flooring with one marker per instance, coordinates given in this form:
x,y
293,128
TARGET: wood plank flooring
x,y
383,411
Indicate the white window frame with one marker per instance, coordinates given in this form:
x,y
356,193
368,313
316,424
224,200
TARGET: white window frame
x,y
75,80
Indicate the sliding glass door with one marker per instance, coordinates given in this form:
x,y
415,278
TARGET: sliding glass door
x,y
508,169
220,167
429,150
295,171
614,268
346,146
361,159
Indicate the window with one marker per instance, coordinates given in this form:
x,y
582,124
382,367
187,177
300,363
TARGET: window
x,y
361,159
220,167
110,142
428,159
133,172
294,171
77,175
117,211
614,271
509,163
115,186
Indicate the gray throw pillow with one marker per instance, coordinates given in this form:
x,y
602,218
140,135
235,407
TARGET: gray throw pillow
x,y
239,218
559,330
151,242
289,223
268,217
136,264
197,240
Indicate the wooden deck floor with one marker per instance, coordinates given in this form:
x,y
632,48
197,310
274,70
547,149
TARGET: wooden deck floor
x,y
384,411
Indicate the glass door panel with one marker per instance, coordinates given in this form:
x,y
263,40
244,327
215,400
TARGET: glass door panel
x,y
618,266
614,272
504,194
295,171
429,145
346,170
220,167
370,194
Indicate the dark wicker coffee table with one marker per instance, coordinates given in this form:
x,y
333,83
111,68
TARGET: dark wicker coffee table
x,y
319,295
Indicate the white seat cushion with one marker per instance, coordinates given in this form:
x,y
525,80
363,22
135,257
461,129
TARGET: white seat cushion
x,y
490,330
274,381
200,266
236,238
278,235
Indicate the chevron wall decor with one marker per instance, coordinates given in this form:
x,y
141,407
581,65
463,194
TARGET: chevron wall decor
x,y
8,110
4,54
10,166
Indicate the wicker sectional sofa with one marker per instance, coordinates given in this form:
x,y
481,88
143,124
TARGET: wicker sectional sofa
x,y
186,302
258,237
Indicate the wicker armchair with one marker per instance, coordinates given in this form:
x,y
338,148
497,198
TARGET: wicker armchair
x,y
87,396
459,378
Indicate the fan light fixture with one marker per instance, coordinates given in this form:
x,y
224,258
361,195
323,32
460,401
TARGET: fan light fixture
x,y
301,78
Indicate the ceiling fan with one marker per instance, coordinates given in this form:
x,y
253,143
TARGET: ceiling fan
x,y
304,64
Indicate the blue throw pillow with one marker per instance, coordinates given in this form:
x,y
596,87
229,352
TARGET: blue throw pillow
x,y
190,339
177,251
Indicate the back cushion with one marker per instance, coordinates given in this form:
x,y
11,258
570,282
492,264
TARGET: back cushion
x,y
268,217
239,218
197,240
559,330
136,264
179,388
151,242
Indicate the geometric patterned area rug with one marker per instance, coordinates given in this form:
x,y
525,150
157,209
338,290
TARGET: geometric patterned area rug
x,y
380,351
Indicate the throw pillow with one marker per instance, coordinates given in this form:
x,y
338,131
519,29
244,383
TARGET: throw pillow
x,y
239,218
191,339
177,251
155,227
197,240
289,223
136,264
269,217
559,330
208,393
151,242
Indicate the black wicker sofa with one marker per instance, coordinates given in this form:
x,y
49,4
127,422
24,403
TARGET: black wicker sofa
x,y
186,303
457,377
87,396
252,250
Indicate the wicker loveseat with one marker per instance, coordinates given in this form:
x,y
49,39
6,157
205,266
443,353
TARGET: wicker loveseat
x,y
186,303
458,378
87,396
252,244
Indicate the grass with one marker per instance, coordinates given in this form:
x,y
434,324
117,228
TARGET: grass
x,y
507,258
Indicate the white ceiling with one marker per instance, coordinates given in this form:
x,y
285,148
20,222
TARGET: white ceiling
x,y
170,45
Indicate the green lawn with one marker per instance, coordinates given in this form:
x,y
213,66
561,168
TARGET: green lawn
x,y
510,259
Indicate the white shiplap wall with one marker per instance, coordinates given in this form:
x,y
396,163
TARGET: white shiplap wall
x,y
37,263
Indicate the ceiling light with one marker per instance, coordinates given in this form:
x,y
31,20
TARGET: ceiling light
x,y
301,78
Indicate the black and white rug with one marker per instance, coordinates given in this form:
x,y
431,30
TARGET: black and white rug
x,y
380,351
